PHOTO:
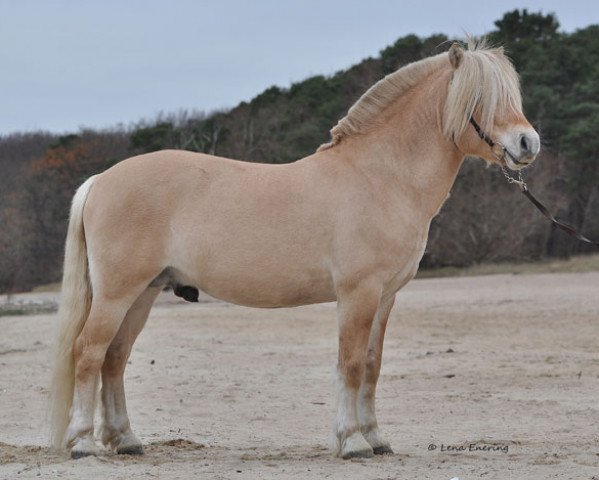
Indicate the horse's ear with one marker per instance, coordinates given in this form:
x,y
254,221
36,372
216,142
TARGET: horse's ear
x,y
456,53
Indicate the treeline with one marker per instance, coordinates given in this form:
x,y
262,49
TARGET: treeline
x,y
484,220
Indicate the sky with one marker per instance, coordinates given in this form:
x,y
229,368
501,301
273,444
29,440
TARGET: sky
x,y
72,64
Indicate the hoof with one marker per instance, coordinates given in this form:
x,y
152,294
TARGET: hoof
x,y
76,454
123,443
355,446
83,447
379,444
366,453
131,450
384,450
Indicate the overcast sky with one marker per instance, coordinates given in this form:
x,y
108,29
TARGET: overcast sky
x,y
67,64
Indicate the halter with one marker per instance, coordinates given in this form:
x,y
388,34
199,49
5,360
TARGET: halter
x,y
500,155
503,151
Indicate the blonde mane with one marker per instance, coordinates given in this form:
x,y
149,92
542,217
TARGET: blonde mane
x,y
485,82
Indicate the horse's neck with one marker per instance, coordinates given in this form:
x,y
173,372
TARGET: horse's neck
x,y
409,157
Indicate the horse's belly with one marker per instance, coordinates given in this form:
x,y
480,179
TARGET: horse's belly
x,y
266,288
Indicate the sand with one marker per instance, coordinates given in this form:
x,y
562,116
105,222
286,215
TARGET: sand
x,y
483,377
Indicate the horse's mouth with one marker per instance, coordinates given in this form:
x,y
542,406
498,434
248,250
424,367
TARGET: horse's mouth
x,y
516,164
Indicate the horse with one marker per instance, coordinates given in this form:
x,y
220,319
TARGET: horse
x,y
348,223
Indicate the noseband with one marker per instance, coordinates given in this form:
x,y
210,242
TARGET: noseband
x,y
495,145
570,230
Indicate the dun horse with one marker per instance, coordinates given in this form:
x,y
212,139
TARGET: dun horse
x,y
348,224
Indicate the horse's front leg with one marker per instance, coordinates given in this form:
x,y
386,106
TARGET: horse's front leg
x,y
366,395
356,310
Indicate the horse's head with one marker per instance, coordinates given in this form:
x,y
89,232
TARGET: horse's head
x,y
483,112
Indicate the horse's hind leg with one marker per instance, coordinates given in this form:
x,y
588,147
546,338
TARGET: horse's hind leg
x,y
366,396
103,323
356,310
116,430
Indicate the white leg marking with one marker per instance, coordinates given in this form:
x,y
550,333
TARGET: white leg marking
x,y
80,434
350,440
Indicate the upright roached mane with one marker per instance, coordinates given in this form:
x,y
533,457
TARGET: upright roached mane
x,y
486,79
346,224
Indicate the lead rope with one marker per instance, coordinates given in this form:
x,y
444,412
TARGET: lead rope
x,y
570,230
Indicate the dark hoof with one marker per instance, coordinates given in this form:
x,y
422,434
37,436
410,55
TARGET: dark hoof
x,y
76,454
133,450
358,454
382,450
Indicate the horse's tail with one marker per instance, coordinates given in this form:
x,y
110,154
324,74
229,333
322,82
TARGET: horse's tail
x,y
74,309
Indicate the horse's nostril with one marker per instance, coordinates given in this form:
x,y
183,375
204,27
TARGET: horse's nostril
x,y
525,143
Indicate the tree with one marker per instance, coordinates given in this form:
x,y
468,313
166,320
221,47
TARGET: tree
x,y
520,26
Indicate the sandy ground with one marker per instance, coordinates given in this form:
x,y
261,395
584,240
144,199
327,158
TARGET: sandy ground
x,y
218,391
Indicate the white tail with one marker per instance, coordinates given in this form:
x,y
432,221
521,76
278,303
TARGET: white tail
x,y
75,304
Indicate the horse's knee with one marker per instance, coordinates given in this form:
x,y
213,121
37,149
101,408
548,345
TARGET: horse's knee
x,y
351,372
352,363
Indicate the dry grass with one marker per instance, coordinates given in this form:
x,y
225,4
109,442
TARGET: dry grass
x,y
47,287
12,309
579,264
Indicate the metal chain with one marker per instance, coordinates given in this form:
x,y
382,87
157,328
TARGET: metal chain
x,y
518,181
